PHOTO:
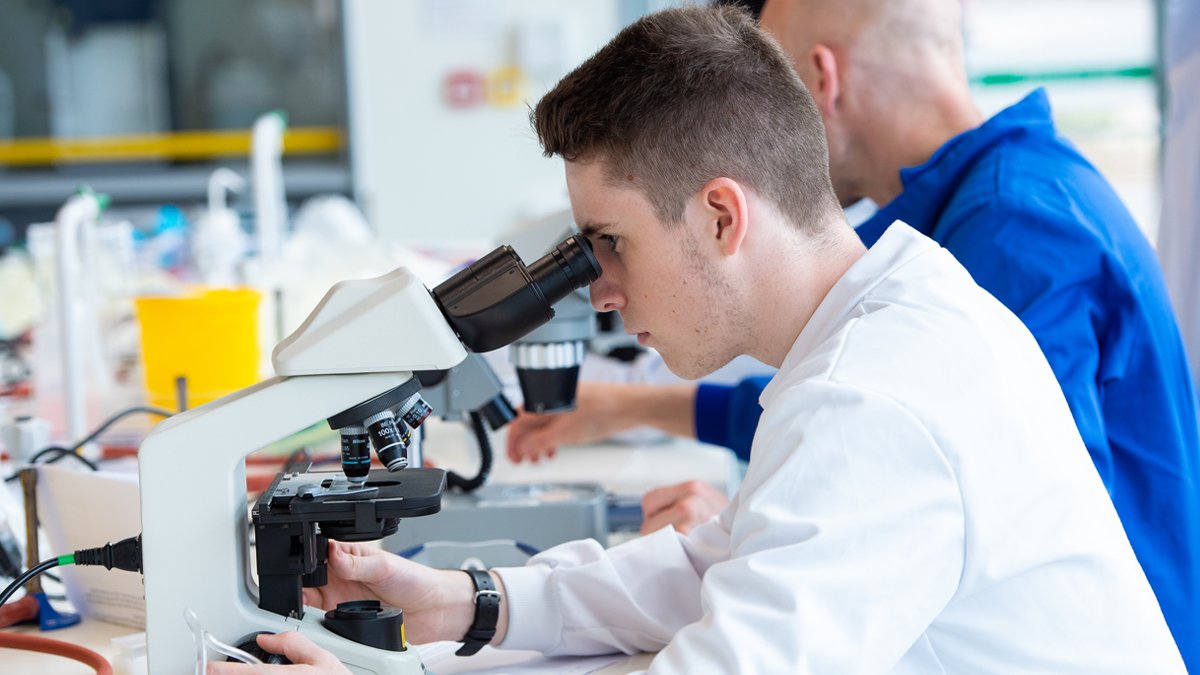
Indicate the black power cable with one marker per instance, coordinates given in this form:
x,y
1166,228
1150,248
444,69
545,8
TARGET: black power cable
x,y
29,574
125,555
485,459
59,452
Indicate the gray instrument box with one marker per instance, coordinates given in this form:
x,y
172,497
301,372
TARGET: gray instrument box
x,y
537,515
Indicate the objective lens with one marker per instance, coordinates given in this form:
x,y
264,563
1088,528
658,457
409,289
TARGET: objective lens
x,y
390,439
356,454
414,411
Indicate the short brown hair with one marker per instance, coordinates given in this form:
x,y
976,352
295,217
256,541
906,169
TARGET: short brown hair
x,y
687,95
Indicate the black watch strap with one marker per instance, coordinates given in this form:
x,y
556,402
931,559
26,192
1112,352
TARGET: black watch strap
x,y
487,613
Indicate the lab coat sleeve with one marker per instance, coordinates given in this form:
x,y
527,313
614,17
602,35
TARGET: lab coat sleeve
x,y
845,541
578,598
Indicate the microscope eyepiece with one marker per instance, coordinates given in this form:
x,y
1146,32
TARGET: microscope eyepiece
x,y
569,267
499,299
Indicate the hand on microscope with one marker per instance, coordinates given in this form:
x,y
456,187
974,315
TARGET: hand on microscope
x,y
305,656
604,409
601,410
438,605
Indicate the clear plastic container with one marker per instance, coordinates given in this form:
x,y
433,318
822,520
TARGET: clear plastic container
x,y
102,306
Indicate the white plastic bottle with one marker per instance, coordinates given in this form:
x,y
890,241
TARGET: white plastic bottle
x,y
218,243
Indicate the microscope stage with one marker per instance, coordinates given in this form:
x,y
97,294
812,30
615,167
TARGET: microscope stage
x,y
349,512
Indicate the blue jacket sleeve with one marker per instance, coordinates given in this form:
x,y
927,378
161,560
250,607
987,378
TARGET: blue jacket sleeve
x,y
728,415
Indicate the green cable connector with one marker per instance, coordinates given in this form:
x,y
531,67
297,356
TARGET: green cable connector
x,y
68,559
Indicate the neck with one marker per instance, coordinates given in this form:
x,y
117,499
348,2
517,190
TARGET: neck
x,y
800,276
919,128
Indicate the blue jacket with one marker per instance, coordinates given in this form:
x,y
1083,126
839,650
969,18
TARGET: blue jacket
x,y
1037,226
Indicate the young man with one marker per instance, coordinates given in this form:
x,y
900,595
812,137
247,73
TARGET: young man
x,y
1034,224
918,499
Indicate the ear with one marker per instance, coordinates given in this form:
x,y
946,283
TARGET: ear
x,y
828,84
727,213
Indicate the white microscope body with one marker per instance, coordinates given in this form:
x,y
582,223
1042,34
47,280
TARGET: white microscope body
x,y
365,338
348,362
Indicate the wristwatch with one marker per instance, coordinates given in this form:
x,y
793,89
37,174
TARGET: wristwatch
x,y
487,612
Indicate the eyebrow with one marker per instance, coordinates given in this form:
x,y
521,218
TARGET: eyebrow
x,y
592,229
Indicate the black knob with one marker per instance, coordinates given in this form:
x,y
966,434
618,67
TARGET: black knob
x,y
368,622
250,645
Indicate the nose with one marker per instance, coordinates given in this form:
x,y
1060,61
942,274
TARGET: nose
x,y
606,295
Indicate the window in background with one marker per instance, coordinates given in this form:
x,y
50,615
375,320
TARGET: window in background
x,y
1101,81
143,98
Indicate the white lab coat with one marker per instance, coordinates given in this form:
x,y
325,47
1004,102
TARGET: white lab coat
x,y
918,501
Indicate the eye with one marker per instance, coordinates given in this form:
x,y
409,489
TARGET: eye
x,y
611,240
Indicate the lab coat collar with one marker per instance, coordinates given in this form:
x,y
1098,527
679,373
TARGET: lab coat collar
x,y
899,245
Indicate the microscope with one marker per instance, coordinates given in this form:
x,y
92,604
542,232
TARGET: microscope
x,y
353,364
497,524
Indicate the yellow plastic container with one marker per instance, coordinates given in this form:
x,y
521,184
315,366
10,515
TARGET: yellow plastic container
x,y
209,337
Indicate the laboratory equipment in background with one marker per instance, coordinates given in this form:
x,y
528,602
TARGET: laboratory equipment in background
x,y
199,343
534,516
263,270
527,517
23,436
198,346
384,101
470,392
270,202
351,362
110,79
7,113
329,241
48,617
84,271
142,100
218,244
18,303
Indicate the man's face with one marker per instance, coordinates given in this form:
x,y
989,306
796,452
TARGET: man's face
x,y
661,278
